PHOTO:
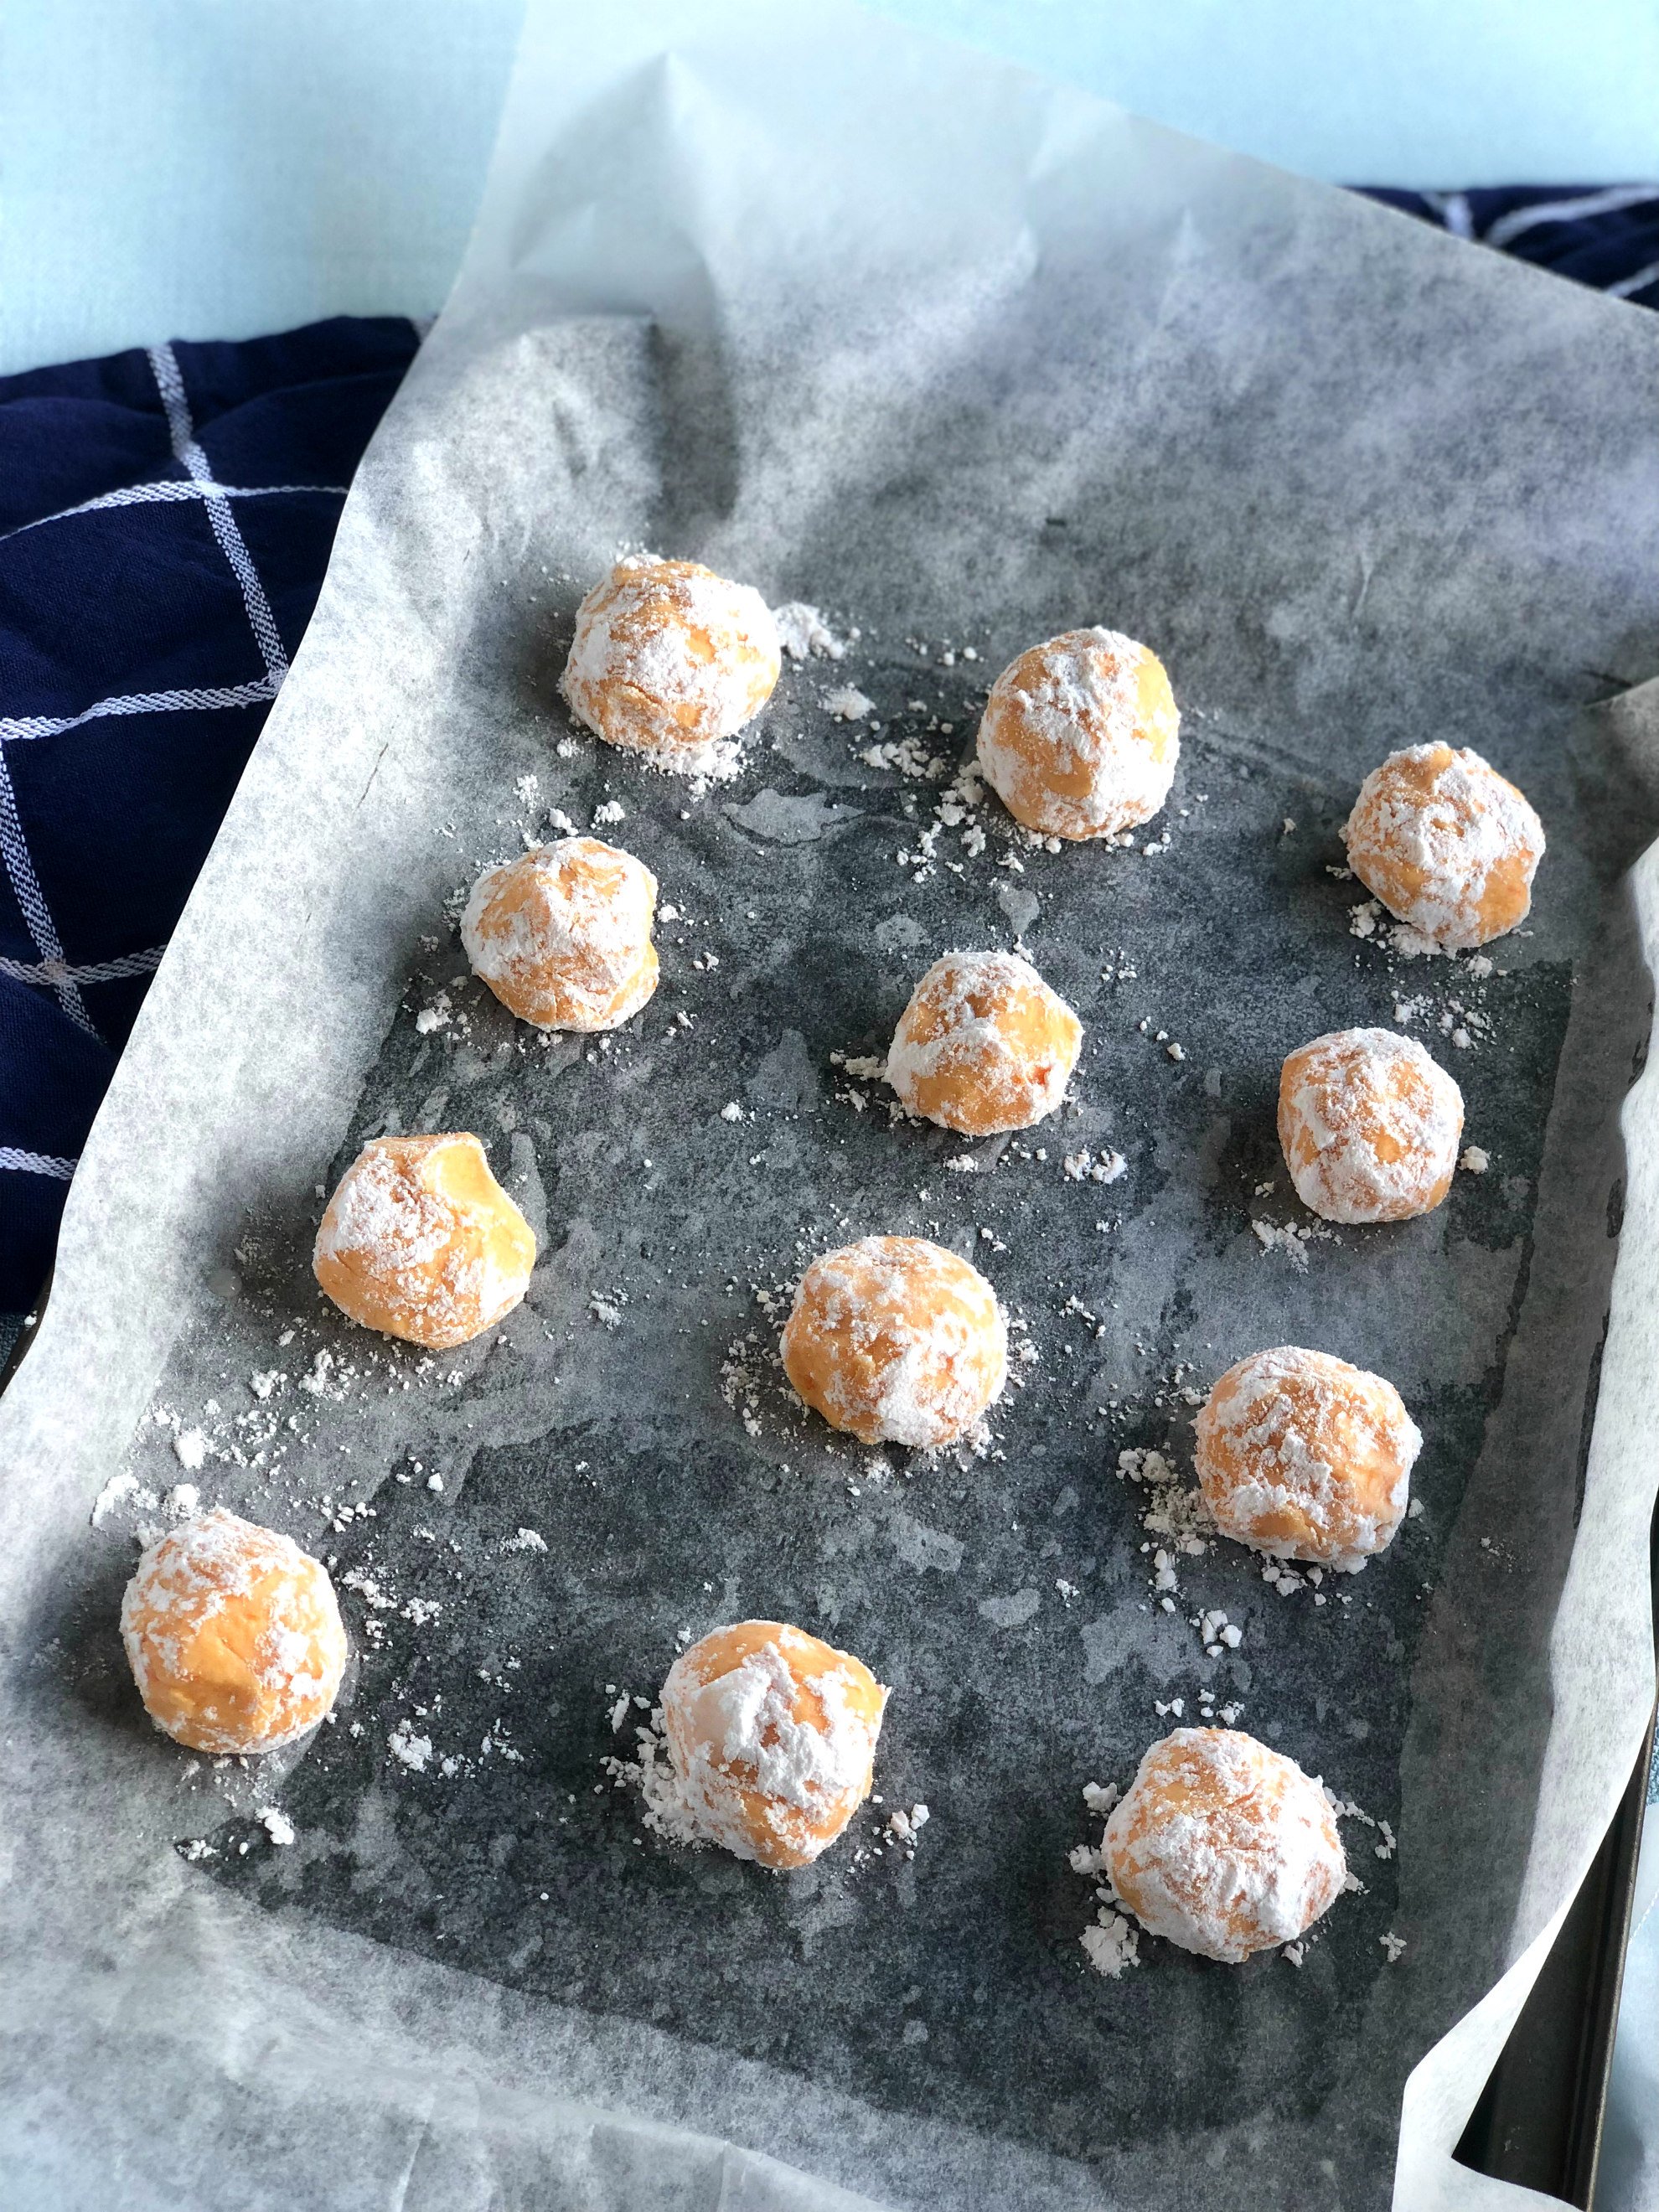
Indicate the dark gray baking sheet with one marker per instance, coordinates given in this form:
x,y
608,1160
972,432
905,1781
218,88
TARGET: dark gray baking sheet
x,y
976,362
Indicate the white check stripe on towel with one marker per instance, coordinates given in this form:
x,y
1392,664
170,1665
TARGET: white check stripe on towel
x,y
167,491
1508,227
49,972
142,702
26,886
36,1163
170,385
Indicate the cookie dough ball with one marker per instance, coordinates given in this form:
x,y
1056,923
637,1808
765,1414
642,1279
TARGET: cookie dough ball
x,y
1369,1125
897,1341
562,934
420,1241
983,1045
233,1635
1448,846
1224,1846
1303,1457
669,660
1079,737
772,1735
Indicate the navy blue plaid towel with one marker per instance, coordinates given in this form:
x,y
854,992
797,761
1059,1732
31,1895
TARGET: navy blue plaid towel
x,y
165,520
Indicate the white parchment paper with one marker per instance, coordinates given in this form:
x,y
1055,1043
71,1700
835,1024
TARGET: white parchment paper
x,y
879,325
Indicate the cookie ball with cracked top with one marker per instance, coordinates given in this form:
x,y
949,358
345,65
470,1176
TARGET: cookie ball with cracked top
x,y
420,1241
897,1341
773,1736
562,934
234,1636
1081,735
1448,846
984,1045
1224,1846
1369,1125
670,660
1301,1456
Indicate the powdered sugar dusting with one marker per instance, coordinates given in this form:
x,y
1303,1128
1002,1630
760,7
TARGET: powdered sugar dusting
x,y
562,934
1301,1456
1224,1846
1063,741
743,1752
961,1055
670,660
1369,1125
1439,837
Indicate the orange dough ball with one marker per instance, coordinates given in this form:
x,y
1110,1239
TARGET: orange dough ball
x,y
1224,1846
420,1241
772,1735
983,1045
1446,844
1369,1125
1303,1457
670,660
897,1341
233,1635
1080,736
562,934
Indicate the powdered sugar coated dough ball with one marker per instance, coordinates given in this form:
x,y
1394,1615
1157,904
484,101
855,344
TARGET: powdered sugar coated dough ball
x,y
1447,844
1304,1457
1080,736
773,1735
672,661
983,1045
420,1241
562,934
234,1636
1224,1846
1369,1125
897,1341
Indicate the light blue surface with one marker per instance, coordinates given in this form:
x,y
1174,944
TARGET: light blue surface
x,y
207,168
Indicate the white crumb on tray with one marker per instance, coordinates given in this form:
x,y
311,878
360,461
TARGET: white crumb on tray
x,y
803,631
191,1448
612,811
1393,1944
120,1490
848,704
415,1750
526,1540
277,1824
1474,1161
1089,1167
1111,1942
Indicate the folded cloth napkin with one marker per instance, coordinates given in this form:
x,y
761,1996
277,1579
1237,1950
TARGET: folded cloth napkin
x,y
165,520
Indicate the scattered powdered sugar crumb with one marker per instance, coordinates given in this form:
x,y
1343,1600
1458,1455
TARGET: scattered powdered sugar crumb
x,y
1474,1161
903,1828
191,1448
528,1540
415,1750
1393,1944
183,1501
802,631
1090,1167
848,704
122,1490
732,1111
612,811
277,1824
1111,1942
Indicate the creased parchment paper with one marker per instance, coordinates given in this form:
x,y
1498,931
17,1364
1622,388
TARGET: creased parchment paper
x,y
960,360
